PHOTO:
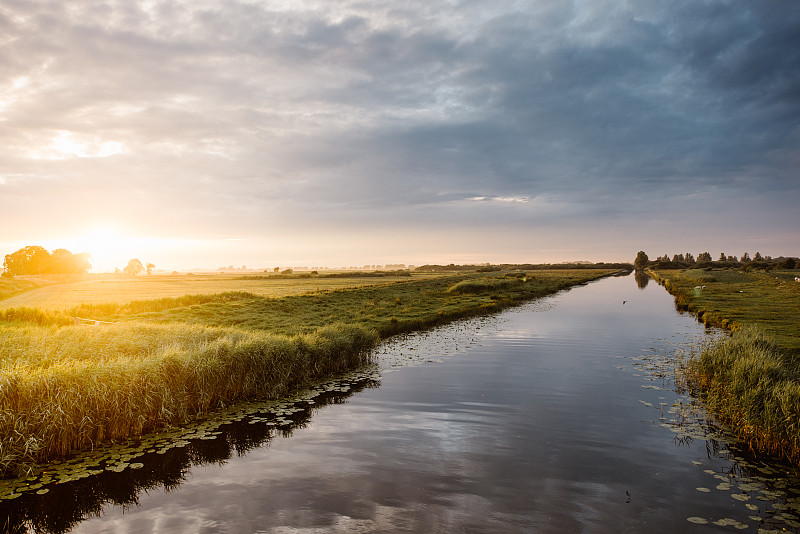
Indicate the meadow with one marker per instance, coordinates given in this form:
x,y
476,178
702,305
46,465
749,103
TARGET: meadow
x,y
751,379
156,362
729,299
58,292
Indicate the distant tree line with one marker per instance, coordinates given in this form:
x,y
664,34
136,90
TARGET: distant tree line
x,y
37,260
705,260
488,268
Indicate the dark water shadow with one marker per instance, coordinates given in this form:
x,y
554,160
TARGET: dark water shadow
x,y
57,507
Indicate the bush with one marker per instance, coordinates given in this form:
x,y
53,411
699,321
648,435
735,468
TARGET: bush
x,y
482,285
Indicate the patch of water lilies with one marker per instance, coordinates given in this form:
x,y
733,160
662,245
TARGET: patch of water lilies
x,y
770,496
119,457
417,348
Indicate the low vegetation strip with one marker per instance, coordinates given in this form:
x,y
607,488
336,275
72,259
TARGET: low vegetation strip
x,y
162,362
751,379
751,384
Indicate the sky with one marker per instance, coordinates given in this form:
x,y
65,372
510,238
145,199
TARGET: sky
x,y
206,133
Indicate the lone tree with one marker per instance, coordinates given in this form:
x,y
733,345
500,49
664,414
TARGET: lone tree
x,y
641,261
149,268
134,267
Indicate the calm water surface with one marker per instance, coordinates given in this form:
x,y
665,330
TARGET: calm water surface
x,y
558,416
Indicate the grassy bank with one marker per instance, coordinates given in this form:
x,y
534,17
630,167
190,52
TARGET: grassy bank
x,y
164,361
752,385
67,388
731,298
751,379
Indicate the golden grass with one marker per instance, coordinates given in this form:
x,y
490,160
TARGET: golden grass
x,y
65,388
59,292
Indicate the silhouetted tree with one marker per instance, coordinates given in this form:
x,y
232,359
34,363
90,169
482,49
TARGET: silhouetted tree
x,y
704,256
134,267
36,260
149,268
641,261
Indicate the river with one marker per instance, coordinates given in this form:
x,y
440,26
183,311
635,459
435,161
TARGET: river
x,y
561,415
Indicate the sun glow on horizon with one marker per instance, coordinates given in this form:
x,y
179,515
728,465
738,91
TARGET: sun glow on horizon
x,y
109,248
112,248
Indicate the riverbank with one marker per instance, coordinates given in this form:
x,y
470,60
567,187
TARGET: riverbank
x,y
65,387
751,379
729,299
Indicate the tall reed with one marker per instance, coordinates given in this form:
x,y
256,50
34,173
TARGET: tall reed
x,y
71,387
751,384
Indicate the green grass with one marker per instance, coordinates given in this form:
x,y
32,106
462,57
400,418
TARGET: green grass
x,y
733,298
388,308
751,384
482,285
751,380
165,361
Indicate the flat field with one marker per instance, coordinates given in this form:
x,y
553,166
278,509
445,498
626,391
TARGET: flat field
x,y
59,292
732,298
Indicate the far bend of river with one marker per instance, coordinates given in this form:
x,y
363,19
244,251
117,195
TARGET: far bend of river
x,y
558,416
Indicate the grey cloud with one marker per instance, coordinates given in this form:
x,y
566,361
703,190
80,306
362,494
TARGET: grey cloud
x,y
601,109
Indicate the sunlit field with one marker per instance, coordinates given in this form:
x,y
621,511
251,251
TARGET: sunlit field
x,y
57,292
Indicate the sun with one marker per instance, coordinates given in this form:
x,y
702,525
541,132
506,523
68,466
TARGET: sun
x,y
110,248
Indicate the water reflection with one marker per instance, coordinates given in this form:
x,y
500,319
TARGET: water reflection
x,y
642,279
56,508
